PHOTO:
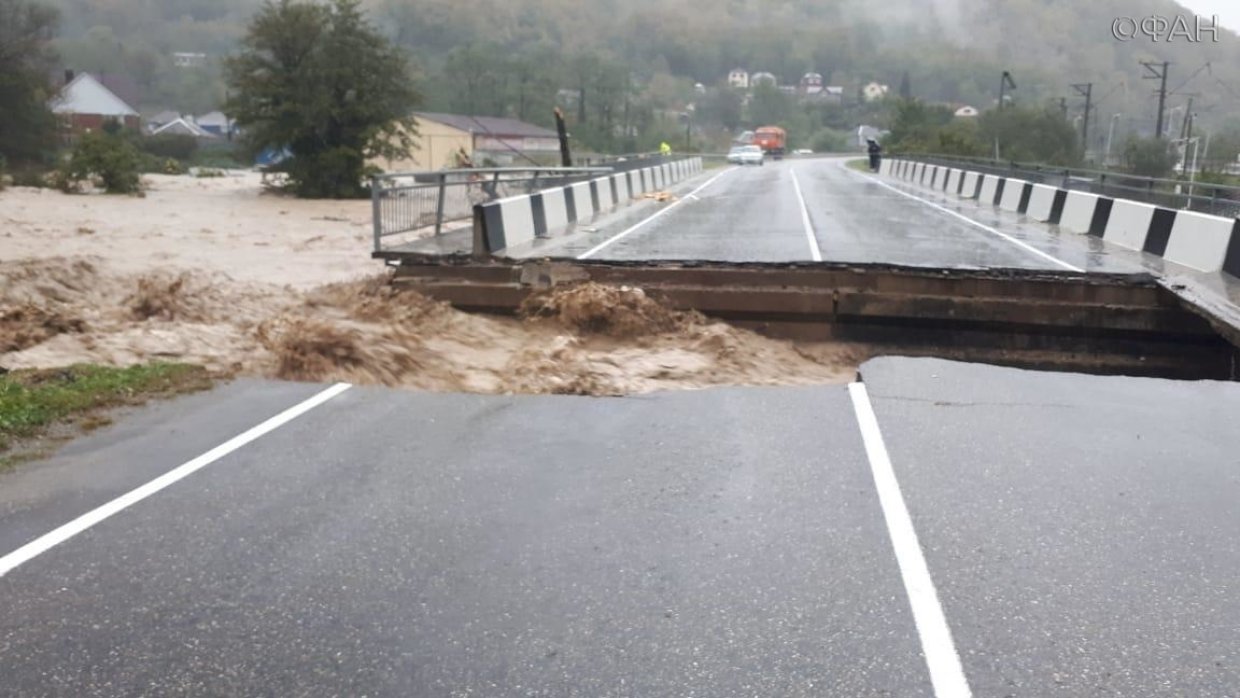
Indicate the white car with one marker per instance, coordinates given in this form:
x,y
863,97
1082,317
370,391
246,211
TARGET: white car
x,y
803,151
747,155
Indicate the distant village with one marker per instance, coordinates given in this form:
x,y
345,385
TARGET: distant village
x,y
87,101
813,87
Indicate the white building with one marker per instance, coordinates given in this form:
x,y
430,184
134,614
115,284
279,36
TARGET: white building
x,y
182,127
874,91
812,84
738,78
85,104
215,123
189,60
763,78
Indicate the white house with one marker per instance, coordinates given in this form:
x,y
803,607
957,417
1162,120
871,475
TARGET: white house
x,y
183,127
215,123
85,104
738,78
811,83
874,91
164,117
189,60
763,78
966,112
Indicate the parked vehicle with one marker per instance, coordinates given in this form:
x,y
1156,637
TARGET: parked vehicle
x,y
772,139
746,155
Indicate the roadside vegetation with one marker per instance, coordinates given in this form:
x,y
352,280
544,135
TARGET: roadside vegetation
x,y
344,94
102,158
58,402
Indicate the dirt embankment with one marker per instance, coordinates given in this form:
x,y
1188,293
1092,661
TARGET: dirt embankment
x,y
587,339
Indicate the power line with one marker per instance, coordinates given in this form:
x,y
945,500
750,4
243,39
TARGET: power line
x,y
1104,97
1156,74
1190,77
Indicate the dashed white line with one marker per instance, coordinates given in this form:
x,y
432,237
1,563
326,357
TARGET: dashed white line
x,y
814,252
942,660
625,233
1023,245
59,535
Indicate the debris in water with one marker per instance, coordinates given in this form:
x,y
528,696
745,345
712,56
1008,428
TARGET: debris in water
x,y
585,339
614,311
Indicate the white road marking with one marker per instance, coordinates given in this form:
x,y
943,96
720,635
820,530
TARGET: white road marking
x,y
623,234
55,537
946,672
1023,245
809,229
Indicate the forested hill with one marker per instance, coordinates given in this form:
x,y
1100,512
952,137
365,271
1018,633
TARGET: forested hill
x,y
952,50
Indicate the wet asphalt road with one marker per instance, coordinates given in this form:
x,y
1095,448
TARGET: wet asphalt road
x,y
749,214
1080,532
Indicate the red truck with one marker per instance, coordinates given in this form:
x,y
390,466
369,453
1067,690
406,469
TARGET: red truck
x,y
772,140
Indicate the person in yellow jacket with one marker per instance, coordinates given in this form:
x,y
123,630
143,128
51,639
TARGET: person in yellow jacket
x,y
665,149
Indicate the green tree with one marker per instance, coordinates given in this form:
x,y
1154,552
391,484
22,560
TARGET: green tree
x,y
475,80
915,126
722,106
960,137
27,126
768,106
829,140
105,156
1031,135
320,80
1149,157
1224,146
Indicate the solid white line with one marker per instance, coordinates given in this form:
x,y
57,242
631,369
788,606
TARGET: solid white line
x,y
946,672
1023,245
809,229
660,212
53,538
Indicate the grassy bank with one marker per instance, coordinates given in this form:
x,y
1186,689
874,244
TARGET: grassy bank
x,y
58,402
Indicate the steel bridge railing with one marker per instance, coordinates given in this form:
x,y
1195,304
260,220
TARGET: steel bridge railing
x,y
415,201
1215,199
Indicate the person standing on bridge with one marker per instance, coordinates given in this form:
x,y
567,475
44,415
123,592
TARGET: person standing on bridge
x,y
665,149
875,150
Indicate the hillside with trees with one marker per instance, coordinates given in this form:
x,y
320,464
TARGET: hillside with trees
x,y
626,71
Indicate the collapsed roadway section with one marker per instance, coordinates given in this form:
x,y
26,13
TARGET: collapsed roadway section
x,y
1131,324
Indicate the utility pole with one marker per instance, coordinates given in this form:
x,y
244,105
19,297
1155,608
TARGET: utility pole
x,y
1156,74
1186,126
1086,90
1005,83
566,158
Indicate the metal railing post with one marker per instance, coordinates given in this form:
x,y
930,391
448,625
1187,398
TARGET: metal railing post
x,y
375,213
443,185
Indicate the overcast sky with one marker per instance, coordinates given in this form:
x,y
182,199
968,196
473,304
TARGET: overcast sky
x,y
1228,11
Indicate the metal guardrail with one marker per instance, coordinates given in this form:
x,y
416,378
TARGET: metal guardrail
x,y
407,202
1215,199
